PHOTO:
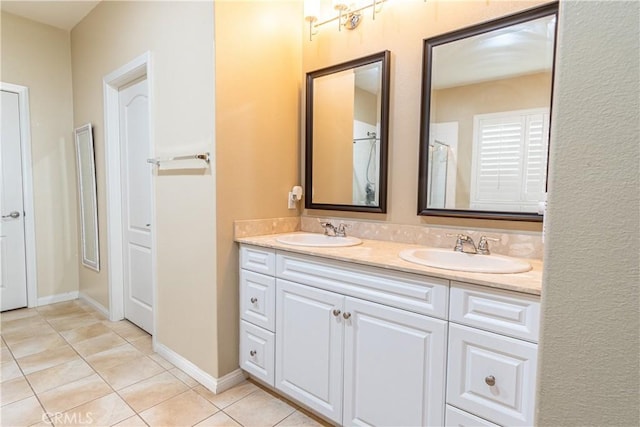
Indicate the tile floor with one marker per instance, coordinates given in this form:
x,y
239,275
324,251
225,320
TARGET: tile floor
x,y
65,364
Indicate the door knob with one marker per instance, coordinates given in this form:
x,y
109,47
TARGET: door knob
x,y
253,300
336,312
490,380
346,315
14,215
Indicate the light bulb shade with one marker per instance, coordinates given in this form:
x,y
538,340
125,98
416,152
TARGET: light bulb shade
x,y
340,5
311,10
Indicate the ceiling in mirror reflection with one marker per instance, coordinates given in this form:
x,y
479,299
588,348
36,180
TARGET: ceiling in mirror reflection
x,y
521,49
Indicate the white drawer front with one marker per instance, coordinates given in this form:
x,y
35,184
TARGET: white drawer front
x,y
260,260
504,312
458,418
257,352
420,294
475,358
257,299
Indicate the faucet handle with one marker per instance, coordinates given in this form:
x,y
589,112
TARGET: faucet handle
x,y
341,229
327,226
483,245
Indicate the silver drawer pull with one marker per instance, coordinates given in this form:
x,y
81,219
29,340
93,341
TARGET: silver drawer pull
x,y
490,380
346,315
336,312
254,300
253,353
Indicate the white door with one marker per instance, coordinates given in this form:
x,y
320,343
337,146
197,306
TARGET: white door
x,y
13,288
136,204
394,366
309,347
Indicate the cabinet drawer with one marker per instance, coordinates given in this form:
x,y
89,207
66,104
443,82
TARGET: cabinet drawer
x,y
458,418
258,259
419,294
492,376
503,312
257,352
257,299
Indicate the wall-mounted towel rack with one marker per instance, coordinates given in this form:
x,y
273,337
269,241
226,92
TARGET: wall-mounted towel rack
x,y
203,156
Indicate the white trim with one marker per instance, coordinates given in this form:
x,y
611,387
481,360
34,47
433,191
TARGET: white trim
x,y
139,67
216,385
27,189
95,304
52,299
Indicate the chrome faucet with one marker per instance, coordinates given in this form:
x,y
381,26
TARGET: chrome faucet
x,y
329,229
483,245
461,240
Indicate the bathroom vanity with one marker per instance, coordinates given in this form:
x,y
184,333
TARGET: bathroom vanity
x,y
362,337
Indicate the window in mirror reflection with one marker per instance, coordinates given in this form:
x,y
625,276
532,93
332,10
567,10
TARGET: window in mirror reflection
x,y
488,117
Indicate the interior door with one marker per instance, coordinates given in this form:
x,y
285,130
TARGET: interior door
x,y
13,271
136,204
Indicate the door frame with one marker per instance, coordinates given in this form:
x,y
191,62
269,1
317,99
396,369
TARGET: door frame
x,y
27,190
112,82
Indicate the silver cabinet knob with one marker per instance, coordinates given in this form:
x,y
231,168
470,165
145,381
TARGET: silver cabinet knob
x,y
14,215
336,312
254,300
346,315
490,380
253,353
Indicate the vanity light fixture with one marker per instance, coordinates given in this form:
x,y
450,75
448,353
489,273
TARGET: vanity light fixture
x,y
349,14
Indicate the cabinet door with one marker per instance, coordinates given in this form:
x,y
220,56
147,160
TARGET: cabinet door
x,y
309,347
492,376
394,372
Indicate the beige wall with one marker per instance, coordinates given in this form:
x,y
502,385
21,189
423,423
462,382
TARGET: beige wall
x,y
400,28
460,104
38,56
179,36
333,114
589,359
257,127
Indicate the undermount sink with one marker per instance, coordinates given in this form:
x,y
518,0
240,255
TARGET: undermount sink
x,y
459,261
317,240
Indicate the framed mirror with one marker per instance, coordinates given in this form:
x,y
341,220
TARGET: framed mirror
x,y
87,197
347,121
486,100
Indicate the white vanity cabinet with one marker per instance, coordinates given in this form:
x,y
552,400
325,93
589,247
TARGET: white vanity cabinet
x,y
489,374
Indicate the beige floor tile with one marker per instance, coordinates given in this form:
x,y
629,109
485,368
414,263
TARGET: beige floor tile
x,y
131,372
126,330
134,421
98,344
69,311
46,359
115,356
226,398
161,361
105,411
18,314
21,334
86,332
152,391
73,322
5,355
143,344
58,375
186,409
2,343
75,393
24,412
184,377
219,419
36,345
14,390
9,370
58,307
299,419
31,322
259,409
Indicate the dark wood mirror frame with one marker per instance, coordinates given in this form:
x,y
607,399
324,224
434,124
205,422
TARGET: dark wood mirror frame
x,y
384,58
429,44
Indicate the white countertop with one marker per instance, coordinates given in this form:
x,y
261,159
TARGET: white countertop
x,y
384,254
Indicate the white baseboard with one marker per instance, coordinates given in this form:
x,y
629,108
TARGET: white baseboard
x,y
95,304
52,299
216,385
